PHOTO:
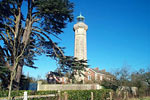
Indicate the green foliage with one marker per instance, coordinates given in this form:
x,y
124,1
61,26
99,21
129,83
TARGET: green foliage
x,y
27,33
86,94
109,84
72,94
21,92
70,66
55,14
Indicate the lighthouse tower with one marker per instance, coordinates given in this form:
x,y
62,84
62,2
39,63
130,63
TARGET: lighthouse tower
x,y
80,49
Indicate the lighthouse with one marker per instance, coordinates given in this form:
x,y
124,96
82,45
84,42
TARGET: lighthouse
x,y
80,47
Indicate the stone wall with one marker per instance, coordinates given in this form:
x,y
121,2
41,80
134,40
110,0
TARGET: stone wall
x,y
45,87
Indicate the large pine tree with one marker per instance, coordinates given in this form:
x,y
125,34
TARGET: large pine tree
x,y
26,28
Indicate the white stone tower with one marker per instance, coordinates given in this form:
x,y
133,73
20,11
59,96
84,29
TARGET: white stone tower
x,y
80,47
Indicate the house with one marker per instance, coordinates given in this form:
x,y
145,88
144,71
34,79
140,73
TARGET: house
x,y
91,75
94,75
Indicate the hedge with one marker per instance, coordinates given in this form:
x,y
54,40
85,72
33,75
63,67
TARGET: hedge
x,y
72,94
21,92
86,94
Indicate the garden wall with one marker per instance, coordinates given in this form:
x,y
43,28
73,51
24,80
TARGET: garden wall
x,y
45,87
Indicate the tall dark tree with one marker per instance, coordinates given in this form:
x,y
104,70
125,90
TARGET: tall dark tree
x,y
26,28
72,67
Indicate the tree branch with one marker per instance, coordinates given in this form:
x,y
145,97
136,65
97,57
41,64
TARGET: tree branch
x,y
12,30
54,45
39,29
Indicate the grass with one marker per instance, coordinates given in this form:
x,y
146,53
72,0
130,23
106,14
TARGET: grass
x,y
144,98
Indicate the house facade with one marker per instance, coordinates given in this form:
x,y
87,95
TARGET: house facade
x,y
94,75
91,75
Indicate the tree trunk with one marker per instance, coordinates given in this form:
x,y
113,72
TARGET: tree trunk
x,y
18,76
10,87
12,76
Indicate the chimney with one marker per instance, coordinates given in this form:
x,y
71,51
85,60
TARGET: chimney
x,y
96,68
103,70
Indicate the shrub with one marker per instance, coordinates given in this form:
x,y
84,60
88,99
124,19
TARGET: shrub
x,y
86,94
72,94
21,92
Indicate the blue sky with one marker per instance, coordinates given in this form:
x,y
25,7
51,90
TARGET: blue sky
x,y
118,34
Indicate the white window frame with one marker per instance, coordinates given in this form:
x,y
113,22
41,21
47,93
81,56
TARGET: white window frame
x,y
95,76
101,77
89,77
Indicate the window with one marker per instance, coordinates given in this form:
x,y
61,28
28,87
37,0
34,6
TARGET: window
x,y
96,76
101,78
108,78
89,77
64,79
60,79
